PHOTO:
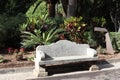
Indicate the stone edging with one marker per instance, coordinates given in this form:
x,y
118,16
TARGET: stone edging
x,y
16,70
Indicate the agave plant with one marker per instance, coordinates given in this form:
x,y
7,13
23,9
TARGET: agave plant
x,y
39,37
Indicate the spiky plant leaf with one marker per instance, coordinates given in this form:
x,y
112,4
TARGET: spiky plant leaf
x,y
38,37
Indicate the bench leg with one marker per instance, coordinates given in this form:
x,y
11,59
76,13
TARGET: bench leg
x,y
39,71
94,68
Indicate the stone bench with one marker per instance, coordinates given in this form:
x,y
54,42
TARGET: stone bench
x,y
59,53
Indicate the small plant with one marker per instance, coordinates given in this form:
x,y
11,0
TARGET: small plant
x,y
19,54
1,59
115,39
22,50
30,58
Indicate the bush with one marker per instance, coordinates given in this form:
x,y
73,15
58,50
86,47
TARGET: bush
x,y
90,38
9,30
93,38
115,39
75,29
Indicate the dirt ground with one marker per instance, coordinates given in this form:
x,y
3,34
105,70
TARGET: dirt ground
x,y
11,62
109,56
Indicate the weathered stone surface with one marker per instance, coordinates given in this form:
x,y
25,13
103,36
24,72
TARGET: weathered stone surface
x,y
63,48
40,55
39,73
94,68
100,29
109,46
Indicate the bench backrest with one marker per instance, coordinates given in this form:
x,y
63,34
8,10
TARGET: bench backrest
x,y
63,48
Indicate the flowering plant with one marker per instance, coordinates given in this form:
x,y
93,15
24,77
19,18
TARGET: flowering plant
x,y
75,28
10,50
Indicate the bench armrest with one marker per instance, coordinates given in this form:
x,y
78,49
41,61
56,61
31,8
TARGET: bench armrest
x,y
40,55
91,52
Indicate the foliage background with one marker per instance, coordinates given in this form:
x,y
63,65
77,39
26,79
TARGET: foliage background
x,y
17,16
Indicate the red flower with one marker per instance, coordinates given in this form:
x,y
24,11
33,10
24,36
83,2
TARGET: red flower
x,y
10,50
70,26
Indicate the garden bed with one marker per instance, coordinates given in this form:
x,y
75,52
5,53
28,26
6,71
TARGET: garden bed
x,y
11,62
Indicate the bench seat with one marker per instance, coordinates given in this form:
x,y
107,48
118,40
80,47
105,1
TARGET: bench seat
x,y
66,60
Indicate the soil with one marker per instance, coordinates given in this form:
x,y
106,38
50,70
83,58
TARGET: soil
x,y
11,62
109,56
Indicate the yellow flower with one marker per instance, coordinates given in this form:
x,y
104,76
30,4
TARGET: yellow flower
x,y
83,25
75,24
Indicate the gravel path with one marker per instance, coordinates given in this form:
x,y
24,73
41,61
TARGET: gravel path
x,y
16,76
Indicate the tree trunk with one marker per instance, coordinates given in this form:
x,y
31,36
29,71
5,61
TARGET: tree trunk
x,y
51,10
65,5
51,6
72,6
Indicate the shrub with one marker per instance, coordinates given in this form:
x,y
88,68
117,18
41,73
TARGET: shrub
x,y
9,30
95,39
90,38
115,39
75,29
